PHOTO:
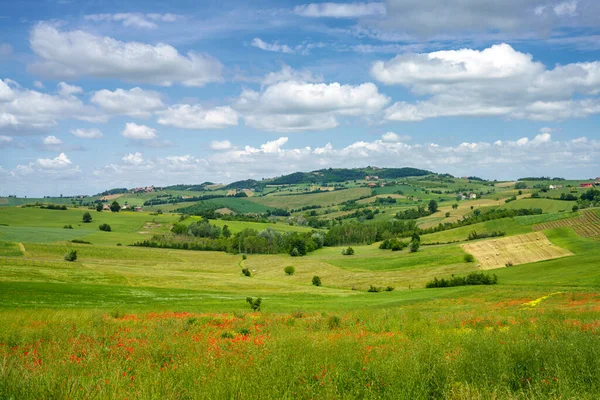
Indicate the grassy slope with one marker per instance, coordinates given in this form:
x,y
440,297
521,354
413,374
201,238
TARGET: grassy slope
x,y
322,199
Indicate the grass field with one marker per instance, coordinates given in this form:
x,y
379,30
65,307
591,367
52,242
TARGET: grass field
x,y
322,199
587,225
138,323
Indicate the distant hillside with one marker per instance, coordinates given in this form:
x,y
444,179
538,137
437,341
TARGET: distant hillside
x,y
345,174
246,184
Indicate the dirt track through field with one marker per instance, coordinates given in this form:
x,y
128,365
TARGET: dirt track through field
x,y
586,225
520,249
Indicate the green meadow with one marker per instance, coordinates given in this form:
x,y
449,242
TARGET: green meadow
x,y
136,322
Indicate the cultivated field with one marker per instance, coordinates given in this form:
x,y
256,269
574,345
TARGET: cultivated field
x,y
587,225
514,250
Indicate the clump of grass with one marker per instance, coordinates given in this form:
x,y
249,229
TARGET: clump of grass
x,y
334,322
244,331
227,335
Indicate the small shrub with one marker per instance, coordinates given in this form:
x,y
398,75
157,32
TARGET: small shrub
x,y
71,255
227,335
374,289
294,252
289,270
254,303
116,314
509,264
244,331
244,257
316,280
348,252
68,227
104,227
389,289
334,322
246,272
469,258
119,244
87,217
192,321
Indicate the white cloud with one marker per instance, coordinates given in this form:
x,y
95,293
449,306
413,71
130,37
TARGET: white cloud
x,y
287,73
38,85
188,116
275,47
60,162
134,102
137,20
78,53
5,139
497,81
221,145
92,133
26,111
64,89
138,132
392,137
52,141
134,158
340,10
292,106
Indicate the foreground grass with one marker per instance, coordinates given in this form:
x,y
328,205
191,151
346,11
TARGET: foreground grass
x,y
447,348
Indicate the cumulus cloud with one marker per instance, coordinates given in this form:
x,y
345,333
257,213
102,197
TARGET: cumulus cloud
x,y
392,137
77,53
497,81
64,89
340,10
137,20
292,106
134,158
52,140
287,73
59,162
134,102
188,116
138,132
92,133
24,111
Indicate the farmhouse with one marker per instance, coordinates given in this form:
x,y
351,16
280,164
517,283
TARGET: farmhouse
x,y
371,178
106,207
586,185
138,209
472,196
597,181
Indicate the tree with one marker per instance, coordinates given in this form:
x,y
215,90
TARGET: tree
x,y
115,207
433,206
226,232
414,246
71,255
99,207
454,206
289,270
575,208
447,214
104,227
316,281
87,217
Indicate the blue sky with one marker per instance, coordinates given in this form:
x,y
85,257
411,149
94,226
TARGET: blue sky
x,y
119,94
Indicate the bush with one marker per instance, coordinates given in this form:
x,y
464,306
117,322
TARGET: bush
x,y
227,335
104,227
67,227
374,289
474,278
469,258
294,252
71,255
246,272
254,304
244,257
348,252
244,331
389,289
334,322
509,264
80,241
316,281
87,217
289,270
